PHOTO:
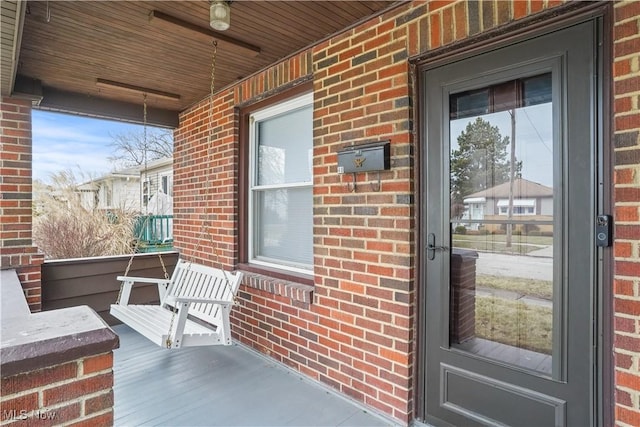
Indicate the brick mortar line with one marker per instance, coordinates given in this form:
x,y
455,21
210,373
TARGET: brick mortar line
x,y
625,20
632,148
627,38
625,57
627,297
630,335
630,317
627,95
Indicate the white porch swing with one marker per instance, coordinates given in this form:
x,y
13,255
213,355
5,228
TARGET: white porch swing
x,y
195,302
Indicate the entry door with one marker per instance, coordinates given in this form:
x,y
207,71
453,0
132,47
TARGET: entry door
x,y
509,253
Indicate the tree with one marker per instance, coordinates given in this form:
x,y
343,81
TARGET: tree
x,y
481,160
133,149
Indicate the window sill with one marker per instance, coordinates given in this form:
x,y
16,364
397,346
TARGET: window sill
x,y
296,287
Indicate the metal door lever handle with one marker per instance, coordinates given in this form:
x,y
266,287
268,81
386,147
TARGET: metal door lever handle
x,y
432,247
436,248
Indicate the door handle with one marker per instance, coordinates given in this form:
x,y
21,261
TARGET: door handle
x,y
432,248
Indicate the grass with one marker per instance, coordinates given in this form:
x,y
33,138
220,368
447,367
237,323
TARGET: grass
x,y
530,287
514,323
520,244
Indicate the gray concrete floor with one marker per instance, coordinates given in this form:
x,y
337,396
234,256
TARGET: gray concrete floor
x,y
220,386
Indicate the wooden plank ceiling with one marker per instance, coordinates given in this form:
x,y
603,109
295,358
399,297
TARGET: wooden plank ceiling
x,y
69,46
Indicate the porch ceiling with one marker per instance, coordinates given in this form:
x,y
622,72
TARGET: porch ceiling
x,y
68,47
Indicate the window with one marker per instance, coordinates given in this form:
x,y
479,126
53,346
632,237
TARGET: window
x,y
280,188
167,184
520,206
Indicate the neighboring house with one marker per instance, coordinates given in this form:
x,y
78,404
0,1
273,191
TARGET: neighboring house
x,y
146,190
530,199
157,187
115,190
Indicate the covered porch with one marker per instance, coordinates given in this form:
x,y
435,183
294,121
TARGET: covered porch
x,y
221,386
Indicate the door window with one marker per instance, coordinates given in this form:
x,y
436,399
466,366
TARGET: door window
x,y
502,211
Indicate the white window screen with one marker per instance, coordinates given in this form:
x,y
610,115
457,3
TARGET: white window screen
x,y
281,193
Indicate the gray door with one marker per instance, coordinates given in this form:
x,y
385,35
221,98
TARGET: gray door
x,y
509,208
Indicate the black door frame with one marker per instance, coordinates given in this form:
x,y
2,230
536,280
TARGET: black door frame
x,y
529,27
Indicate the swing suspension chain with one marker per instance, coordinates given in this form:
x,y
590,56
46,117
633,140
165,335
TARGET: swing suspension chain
x,y
213,73
144,225
208,199
164,267
214,57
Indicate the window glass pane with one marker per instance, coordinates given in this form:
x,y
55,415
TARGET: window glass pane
x,y
285,226
284,148
537,90
502,227
468,104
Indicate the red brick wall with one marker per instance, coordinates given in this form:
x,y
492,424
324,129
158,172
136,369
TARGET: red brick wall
x,y
626,93
16,249
357,334
77,393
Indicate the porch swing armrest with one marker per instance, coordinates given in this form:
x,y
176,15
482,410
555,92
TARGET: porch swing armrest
x,y
133,279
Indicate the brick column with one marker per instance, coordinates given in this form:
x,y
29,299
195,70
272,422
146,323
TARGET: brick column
x,y
16,247
463,295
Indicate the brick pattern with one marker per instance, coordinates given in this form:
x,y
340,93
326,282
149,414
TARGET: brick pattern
x,y
16,247
73,393
355,331
463,296
626,88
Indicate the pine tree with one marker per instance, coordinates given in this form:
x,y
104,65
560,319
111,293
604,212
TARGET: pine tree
x,y
481,160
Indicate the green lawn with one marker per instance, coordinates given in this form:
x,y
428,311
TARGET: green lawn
x,y
521,244
514,323
531,287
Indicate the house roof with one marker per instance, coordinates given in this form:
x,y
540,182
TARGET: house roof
x,y
129,173
156,164
522,188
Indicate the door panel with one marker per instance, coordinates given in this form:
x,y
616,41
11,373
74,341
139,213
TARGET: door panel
x,y
509,212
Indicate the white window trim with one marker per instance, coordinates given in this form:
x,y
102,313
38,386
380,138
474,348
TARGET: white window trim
x,y
269,112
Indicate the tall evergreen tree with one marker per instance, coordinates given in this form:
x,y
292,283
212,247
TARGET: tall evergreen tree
x,y
481,160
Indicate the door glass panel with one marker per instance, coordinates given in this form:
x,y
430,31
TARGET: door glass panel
x,y
501,164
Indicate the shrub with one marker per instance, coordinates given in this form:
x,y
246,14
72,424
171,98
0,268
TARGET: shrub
x,y
460,229
64,228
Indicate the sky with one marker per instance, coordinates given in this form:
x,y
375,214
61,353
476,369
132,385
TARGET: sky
x,y
534,139
67,142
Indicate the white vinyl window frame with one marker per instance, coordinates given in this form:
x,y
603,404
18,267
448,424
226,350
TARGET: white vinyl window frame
x,y
254,119
166,183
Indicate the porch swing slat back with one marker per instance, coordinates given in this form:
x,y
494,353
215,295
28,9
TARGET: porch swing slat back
x,y
194,306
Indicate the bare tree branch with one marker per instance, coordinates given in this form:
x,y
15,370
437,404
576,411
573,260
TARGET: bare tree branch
x,y
132,149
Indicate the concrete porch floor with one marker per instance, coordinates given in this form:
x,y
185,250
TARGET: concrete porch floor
x,y
220,386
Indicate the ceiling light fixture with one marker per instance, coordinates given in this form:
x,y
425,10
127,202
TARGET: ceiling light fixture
x,y
219,15
188,29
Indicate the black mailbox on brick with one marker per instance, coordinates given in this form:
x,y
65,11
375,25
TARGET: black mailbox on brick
x,y
373,156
